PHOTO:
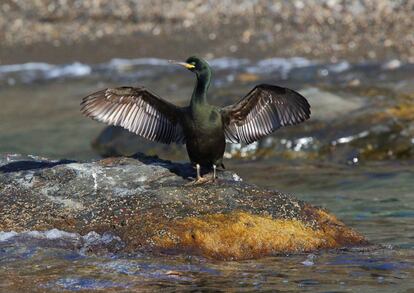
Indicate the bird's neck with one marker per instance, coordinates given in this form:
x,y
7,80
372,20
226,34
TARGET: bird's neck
x,y
200,91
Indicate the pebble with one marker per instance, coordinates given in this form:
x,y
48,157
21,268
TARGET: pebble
x,y
294,28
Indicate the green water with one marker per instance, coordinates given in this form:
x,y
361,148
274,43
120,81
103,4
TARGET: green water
x,y
373,194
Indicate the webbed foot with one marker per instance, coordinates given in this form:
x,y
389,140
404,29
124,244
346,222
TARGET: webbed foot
x,y
202,180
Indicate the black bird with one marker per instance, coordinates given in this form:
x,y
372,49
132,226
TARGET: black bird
x,y
204,128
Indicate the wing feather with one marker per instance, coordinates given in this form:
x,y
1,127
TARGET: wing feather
x,y
138,110
263,110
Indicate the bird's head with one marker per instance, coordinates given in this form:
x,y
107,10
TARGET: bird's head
x,y
195,64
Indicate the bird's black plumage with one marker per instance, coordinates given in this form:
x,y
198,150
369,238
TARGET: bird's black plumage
x,y
137,110
262,111
204,128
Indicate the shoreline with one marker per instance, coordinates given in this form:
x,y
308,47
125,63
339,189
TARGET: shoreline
x,y
320,30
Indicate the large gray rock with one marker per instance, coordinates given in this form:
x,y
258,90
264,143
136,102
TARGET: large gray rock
x,y
148,203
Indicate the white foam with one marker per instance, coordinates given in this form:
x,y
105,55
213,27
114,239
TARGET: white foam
x,y
392,64
302,142
56,234
350,138
53,234
31,66
339,67
91,237
309,260
282,65
228,63
217,64
48,234
35,70
95,181
33,234
242,150
120,63
71,70
4,236
237,177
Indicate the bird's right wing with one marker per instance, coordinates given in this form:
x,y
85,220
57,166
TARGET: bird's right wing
x,y
138,110
263,110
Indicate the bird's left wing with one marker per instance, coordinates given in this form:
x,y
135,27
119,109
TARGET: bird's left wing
x,y
263,110
138,110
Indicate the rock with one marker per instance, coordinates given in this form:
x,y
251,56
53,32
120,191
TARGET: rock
x,y
146,203
327,106
115,141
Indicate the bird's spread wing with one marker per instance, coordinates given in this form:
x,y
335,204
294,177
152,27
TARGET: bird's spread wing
x,y
263,110
138,110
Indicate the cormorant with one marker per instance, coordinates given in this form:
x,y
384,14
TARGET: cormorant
x,y
204,128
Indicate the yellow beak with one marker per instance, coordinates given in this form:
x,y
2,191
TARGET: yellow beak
x,y
186,65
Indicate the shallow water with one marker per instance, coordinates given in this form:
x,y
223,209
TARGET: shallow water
x,y
373,194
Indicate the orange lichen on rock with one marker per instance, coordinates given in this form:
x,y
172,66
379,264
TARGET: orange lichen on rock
x,y
337,232
241,235
247,77
403,111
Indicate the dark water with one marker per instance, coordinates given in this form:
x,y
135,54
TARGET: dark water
x,y
354,157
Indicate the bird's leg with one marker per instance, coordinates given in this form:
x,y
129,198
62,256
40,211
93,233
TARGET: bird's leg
x,y
198,172
199,179
214,172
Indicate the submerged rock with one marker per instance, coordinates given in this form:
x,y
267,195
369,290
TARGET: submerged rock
x,y
147,203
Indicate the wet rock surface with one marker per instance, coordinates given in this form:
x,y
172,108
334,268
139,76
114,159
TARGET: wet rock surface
x,y
148,204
